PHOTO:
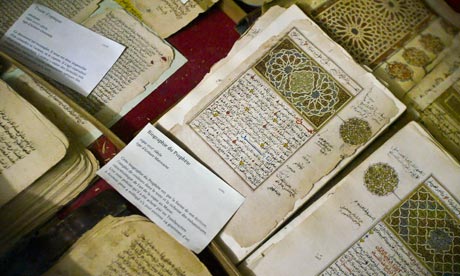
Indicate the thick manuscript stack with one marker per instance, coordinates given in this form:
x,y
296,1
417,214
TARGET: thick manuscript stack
x,y
40,170
145,59
283,113
127,246
277,119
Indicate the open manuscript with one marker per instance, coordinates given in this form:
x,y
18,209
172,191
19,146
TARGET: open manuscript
x,y
40,170
147,58
165,17
282,114
413,46
29,146
436,100
128,246
397,213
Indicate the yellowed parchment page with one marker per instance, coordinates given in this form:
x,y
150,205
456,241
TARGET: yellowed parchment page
x,y
437,100
397,213
128,246
29,144
166,17
280,124
146,57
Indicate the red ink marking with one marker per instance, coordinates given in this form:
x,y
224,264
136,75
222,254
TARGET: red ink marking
x,y
299,121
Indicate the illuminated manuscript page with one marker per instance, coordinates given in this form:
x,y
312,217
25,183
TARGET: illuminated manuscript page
x,y
278,122
401,41
29,144
437,100
397,213
128,246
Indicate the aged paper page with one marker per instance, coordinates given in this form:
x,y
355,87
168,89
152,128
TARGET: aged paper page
x,y
401,41
166,17
281,123
41,200
75,10
128,246
411,63
29,144
61,114
145,59
245,49
437,100
398,213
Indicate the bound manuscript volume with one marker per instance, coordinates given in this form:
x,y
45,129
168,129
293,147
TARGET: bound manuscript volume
x,y
277,119
293,104
398,212
127,246
52,170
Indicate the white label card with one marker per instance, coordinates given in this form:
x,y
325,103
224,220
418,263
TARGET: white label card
x,y
60,49
172,189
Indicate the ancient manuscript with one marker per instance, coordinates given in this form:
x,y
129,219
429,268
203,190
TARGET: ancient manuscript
x,y
146,57
276,120
401,41
397,213
42,199
436,99
29,144
166,17
61,114
10,11
128,246
40,171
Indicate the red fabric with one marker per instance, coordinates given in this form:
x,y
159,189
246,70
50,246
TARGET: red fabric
x,y
203,42
454,4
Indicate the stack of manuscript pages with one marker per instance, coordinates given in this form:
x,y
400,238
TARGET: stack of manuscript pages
x,y
127,246
397,213
282,114
147,57
165,17
40,170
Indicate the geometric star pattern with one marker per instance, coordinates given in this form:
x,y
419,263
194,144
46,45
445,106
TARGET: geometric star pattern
x,y
303,83
429,230
370,29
